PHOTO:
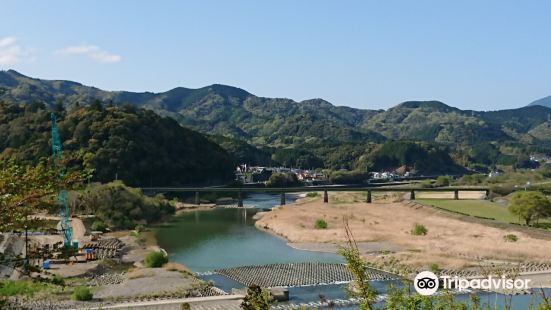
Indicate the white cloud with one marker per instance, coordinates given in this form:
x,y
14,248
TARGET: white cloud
x,y
92,51
10,51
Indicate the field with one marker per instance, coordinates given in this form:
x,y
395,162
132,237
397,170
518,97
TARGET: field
x,y
480,208
477,208
385,227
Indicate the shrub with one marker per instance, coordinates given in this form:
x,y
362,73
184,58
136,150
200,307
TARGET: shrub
x,y
320,224
312,194
419,230
442,180
257,298
510,238
434,268
58,280
425,184
99,226
82,293
155,260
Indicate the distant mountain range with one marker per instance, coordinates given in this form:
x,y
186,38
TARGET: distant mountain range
x,y
233,112
282,123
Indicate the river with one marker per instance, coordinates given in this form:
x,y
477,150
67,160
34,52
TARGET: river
x,y
226,237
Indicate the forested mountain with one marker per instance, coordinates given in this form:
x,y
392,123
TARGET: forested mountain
x,y
261,130
546,102
216,109
131,144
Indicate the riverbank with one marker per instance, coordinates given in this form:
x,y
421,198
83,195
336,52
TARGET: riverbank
x,y
383,230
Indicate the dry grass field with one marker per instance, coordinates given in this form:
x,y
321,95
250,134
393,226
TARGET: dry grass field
x,y
450,242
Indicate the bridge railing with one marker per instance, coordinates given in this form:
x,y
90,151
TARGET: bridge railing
x,y
283,190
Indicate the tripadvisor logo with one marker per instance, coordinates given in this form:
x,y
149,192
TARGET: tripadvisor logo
x,y
427,283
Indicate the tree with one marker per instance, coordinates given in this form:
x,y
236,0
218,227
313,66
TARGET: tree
x,y
283,180
530,206
257,299
24,189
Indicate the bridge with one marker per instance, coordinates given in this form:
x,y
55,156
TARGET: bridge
x,y
326,189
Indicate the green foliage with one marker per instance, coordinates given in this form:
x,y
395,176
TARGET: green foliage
x,y
21,287
283,180
320,224
360,287
82,293
348,177
443,180
58,280
530,206
421,157
99,226
133,145
312,194
24,189
419,230
257,299
472,179
244,152
123,207
300,158
510,238
155,260
341,137
434,268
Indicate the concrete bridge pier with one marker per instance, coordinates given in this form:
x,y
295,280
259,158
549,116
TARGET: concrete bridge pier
x,y
197,200
325,197
412,195
368,197
456,195
239,200
282,203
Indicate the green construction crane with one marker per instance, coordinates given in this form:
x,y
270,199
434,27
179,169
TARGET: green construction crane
x,y
65,214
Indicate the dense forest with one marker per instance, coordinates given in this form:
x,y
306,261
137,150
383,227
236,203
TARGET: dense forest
x,y
125,143
278,131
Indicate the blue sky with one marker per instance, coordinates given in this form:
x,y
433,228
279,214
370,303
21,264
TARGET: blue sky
x,y
482,55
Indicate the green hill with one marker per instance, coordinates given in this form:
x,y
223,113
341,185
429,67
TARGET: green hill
x,y
133,145
256,129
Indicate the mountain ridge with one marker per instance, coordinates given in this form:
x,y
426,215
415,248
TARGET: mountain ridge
x,y
314,124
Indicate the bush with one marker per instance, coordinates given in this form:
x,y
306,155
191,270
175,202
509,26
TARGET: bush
x,y
58,280
82,293
99,226
434,268
419,230
425,184
320,224
442,180
312,194
510,238
155,260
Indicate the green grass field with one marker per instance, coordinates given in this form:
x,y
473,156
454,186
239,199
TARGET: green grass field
x,y
481,208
